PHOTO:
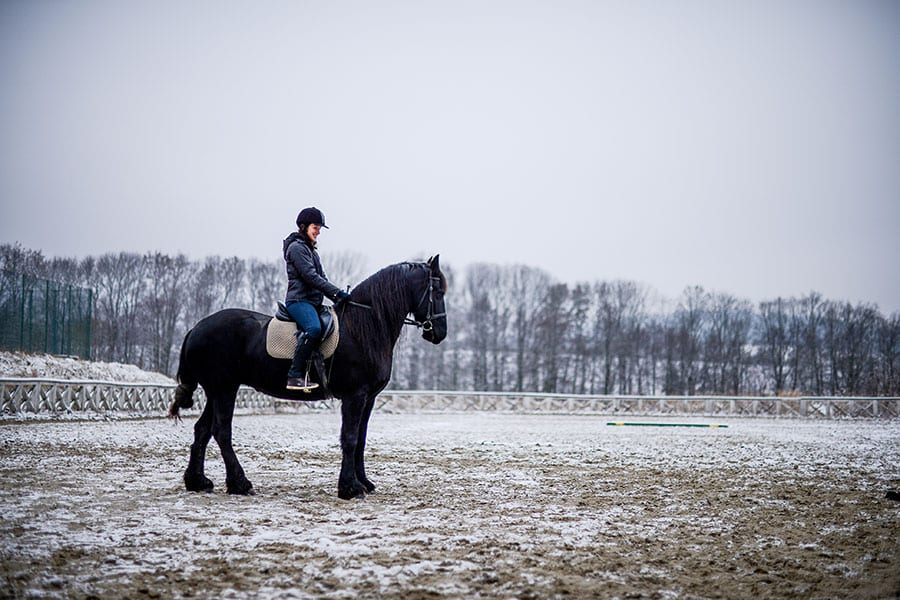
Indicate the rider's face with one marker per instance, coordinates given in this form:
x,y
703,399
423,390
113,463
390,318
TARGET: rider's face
x,y
312,232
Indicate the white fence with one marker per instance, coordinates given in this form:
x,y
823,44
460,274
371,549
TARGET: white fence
x,y
58,396
762,406
20,396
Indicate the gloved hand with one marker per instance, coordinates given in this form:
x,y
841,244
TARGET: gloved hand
x,y
341,298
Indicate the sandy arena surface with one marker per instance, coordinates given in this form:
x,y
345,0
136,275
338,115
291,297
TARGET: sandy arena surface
x,y
468,506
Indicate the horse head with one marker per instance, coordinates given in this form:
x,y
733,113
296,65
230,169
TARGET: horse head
x,y
429,286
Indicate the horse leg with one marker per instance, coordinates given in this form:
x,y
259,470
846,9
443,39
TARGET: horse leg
x,y
349,484
194,478
361,445
223,413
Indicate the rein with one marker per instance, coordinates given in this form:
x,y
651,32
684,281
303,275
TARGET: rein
x,y
352,303
426,325
430,315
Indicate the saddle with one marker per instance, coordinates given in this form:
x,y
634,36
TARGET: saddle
x,y
281,335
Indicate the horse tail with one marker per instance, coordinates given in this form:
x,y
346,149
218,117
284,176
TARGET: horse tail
x,y
187,383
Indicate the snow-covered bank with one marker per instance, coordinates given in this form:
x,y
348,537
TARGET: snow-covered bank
x,y
20,364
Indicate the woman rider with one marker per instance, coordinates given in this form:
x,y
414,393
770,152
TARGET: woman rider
x,y
307,286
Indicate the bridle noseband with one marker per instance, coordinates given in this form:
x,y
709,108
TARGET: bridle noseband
x,y
427,324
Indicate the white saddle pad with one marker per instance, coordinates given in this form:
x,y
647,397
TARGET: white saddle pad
x,y
281,340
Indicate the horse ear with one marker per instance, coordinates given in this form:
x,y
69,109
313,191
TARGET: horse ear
x,y
434,263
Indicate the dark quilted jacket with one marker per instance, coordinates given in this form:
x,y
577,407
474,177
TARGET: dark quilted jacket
x,y
306,278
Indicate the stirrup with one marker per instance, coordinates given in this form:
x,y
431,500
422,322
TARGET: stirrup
x,y
304,384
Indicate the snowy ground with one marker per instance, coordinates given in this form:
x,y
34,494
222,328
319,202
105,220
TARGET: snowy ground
x,y
468,506
47,366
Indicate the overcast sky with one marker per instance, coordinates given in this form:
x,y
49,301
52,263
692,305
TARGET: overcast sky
x,y
748,147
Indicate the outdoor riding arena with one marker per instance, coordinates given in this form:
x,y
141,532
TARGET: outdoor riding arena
x,y
496,503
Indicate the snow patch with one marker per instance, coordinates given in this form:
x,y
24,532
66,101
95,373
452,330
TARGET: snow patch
x,y
48,366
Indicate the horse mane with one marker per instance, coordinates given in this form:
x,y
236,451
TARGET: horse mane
x,y
386,291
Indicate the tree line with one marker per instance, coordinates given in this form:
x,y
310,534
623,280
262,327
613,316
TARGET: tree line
x,y
145,304
515,328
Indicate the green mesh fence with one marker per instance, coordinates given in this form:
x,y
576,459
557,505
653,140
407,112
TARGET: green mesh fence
x,y
37,315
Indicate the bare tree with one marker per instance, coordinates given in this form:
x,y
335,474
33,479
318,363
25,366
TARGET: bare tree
x,y
529,285
775,341
727,336
551,324
670,339
443,359
806,333
690,319
344,268
203,300
850,343
218,283
15,258
657,353
266,285
582,340
478,320
888,348
167,290
120,283
608,329
630,304
232,283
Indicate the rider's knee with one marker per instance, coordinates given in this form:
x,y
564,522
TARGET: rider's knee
x,y
314,332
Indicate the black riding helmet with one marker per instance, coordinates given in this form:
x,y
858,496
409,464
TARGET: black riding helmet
x,y
311,216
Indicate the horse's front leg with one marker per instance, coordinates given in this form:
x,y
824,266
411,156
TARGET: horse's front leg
x,y
349,484
361,445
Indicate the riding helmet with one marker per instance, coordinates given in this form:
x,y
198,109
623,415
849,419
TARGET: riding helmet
x,y
312,216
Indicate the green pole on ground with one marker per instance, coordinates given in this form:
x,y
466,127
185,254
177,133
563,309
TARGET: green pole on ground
x,y
621,424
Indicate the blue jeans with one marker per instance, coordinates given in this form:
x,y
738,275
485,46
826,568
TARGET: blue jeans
x,y
307,317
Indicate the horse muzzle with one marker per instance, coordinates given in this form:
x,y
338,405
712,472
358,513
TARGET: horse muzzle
x,y
435,335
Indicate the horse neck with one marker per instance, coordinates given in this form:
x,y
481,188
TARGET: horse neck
x,y
382,324
388,321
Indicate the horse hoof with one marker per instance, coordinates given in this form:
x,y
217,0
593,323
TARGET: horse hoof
x,y
351,492
244,488
200,484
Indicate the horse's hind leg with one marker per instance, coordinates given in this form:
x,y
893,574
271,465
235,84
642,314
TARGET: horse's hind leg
x,y
194,478
235,480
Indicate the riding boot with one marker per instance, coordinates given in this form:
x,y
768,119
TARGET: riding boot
x,y
298,375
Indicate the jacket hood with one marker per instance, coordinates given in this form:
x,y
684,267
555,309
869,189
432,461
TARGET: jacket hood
x,y
295,236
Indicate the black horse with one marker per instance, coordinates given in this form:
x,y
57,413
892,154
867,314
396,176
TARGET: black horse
x,y
228,349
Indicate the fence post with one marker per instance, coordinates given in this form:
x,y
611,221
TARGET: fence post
x,y
90,321
47,317
22,315
31,318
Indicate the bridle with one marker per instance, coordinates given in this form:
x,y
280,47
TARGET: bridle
x,y
428,294
426,325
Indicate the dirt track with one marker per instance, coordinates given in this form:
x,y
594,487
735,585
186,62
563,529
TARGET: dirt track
x,y
473,505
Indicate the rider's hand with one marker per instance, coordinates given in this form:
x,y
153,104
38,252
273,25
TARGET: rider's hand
x,y
341,298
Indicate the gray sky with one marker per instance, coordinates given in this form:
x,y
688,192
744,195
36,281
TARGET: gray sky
x,y
748,147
